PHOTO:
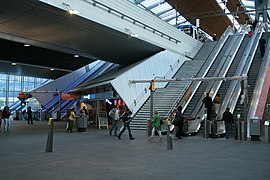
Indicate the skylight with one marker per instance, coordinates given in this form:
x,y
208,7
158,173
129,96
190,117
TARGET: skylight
x,y
167,13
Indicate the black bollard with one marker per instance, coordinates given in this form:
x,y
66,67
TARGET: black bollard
x,y
49,145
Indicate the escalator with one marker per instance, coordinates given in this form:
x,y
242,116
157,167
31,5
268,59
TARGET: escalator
x,y
65,104
241,65
199,92
253,74
218,68
233,71
15,106
68,104
80,80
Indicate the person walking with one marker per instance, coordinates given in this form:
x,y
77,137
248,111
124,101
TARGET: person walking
x,y
115,115
228,119
0,118
126,118
208,103
71,120
29,115
262,43
5,116
179,122
156,126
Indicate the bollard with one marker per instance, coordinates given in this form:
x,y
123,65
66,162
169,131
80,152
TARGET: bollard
x,y
169,136
206,127
238,127
149,127
49,144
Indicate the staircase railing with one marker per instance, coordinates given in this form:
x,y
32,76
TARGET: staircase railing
x,y
168,74
177,101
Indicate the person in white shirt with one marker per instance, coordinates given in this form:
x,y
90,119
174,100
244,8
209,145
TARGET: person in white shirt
x,y
115,115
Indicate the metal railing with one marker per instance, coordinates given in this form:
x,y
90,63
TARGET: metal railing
x,y
132,20
177,101
169,72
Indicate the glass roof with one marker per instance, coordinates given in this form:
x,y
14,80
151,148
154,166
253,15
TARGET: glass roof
x,y
250,7
167,13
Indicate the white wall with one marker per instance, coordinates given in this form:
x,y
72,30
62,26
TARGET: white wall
x,y
113,20
165,63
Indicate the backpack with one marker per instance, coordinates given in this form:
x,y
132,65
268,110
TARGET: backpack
x,y
112,113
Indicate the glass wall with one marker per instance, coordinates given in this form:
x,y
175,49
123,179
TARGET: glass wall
x,y
12,85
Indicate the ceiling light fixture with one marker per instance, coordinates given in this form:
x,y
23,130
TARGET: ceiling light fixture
x,y
26,45
76,56
130,34
69,9
52,69
13,64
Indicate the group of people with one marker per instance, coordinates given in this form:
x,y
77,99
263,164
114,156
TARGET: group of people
x,y
72,117
5,116
117,117
178,121
227,116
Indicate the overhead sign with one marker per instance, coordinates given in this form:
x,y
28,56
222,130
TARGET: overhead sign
x,y
70,97
22,95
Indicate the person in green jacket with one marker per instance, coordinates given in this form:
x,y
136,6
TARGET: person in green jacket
x,y
156,126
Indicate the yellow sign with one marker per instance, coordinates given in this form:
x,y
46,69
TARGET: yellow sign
x,y
153,86
22,95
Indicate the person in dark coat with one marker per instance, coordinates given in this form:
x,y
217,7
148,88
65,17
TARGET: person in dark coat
x,y
126,118
30,115
0,118
5,116
262,43
228,119
208,103
179,122
254,24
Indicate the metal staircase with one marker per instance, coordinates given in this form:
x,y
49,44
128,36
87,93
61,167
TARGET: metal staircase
x,y
164,99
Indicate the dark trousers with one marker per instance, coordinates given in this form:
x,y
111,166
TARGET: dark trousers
x,y
209,112
228,128
180,131
126,125
70,125
114,127
30,119
262,50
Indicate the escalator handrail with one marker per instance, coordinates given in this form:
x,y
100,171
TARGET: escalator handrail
x,y
212,57
259,83
55,100
224,65
234,91
99,71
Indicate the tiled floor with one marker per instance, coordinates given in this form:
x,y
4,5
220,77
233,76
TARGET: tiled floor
x,y
96,155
